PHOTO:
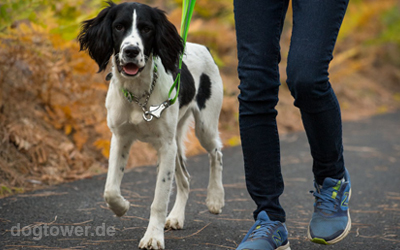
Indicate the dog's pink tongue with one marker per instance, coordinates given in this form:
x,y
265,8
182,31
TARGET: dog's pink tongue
x,y
131,69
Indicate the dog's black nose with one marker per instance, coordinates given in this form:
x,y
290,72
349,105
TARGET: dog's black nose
x,y
131,51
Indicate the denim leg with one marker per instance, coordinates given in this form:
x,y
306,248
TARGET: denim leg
x,y
258,28
316,25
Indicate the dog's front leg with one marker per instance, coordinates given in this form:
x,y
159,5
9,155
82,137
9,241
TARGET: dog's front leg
x,y
154,236
119,153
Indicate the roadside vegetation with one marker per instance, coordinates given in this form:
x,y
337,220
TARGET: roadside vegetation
x,y
52,115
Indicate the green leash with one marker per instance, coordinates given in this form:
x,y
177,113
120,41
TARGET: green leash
x,y
187,12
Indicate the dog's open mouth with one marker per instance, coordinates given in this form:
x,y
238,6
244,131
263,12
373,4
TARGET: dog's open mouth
x,y
131,69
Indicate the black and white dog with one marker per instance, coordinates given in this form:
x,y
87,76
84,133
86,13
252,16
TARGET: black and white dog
x,y
144,48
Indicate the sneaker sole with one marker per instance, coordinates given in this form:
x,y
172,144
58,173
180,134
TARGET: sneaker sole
x,y
337,239
285,247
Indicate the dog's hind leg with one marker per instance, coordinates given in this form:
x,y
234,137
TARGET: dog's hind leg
x,y
176,218
119,153
207,132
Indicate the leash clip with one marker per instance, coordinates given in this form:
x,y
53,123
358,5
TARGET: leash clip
x,y
155,111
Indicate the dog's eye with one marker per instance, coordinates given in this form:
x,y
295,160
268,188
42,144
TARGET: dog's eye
x,y
119,27
145,30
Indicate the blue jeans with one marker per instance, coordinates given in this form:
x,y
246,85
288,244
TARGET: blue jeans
x,y
316,24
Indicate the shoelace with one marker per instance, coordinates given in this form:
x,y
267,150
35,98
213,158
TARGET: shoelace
x,y
324,201
263,229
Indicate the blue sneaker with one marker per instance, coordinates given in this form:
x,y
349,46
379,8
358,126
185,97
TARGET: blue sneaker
x,y
266,235
331,221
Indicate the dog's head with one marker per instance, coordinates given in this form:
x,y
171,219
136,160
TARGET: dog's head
x,y
132,32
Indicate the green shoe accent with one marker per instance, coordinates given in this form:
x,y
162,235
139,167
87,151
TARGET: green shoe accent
x,y
319,241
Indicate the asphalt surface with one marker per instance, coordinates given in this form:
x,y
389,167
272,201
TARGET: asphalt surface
x,y
372,155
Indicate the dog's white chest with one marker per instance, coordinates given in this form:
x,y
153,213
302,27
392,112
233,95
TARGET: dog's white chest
x,y
120,118
136,117
120,112
131,123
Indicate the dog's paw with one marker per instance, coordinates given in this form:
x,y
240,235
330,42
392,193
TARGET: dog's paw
x,y
120,209
117,204
215,201
215,207
174,223
150,241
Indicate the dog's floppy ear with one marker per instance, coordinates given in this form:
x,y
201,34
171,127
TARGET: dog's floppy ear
x,y
96,37
168,44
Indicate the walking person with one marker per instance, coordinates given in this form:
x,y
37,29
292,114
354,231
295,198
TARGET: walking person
x,y
316,24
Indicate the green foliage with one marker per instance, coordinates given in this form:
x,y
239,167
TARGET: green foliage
x,y
16,10
209,9
5,190
60,17
391,21
372,22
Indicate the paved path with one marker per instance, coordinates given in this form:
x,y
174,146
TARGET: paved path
x,y
372,154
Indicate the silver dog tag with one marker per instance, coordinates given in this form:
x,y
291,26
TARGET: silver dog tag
x,y
155,111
